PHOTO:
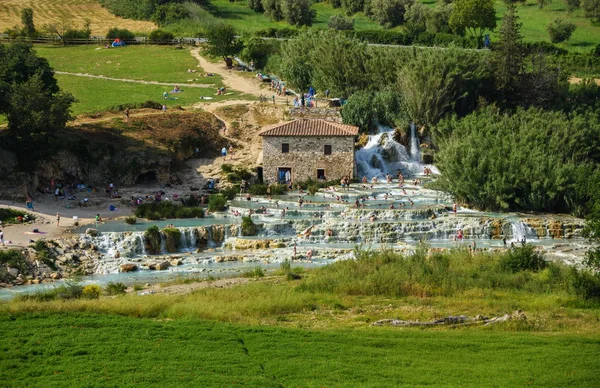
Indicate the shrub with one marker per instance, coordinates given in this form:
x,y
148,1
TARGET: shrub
x,y
138,287
131,220
523,258
169,13
230,192
273,9
389,13
92,291
312,189
122,34
258,189
278,189
340,22
152,240
353,6
161,36
256,272
158,210
172,238
115,288
585,284
217,202
560,30
248,227
9,216
13,258
298,12
226,168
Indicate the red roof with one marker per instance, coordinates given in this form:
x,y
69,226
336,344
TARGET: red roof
x,y
310,127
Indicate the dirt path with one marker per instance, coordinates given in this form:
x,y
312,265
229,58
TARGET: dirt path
x,y
136,81
230,77
575,80
187,288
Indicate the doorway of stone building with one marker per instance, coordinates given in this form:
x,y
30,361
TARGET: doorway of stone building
x,y
321,174
284,174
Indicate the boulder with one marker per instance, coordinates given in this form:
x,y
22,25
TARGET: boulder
x,y
162,265
55,275
176,262
92,232
13,272
129,267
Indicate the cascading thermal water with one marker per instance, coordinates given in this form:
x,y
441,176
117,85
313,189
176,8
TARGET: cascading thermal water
x,y
383,155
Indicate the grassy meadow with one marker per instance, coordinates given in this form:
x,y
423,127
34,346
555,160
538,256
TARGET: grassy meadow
x,y
314,328
82,349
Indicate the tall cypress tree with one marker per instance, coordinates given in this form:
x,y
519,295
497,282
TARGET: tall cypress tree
x,y
508,59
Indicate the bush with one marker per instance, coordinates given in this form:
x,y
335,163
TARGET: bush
x,y
278,189
227,168
160,36
122,34
523,258
172,237
248,227
230,192
152,240
298,12
256,272
165,209
13,258
389,13
560,30
115,288
217,202
585,284
92,291
169,13
277,32
340,22
258,189
131,220
353,6
9,216
312,189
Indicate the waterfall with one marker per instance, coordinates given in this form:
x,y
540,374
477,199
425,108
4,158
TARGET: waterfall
x,y
142,244
521,231
383,155
415,151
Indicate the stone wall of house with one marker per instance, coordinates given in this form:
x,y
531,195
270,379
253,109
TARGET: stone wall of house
x,y
329,114
306,155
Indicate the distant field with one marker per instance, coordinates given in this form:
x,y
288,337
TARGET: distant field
x,y
48,11
81,349
148,63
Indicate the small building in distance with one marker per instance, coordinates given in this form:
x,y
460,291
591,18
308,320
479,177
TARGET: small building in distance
x,y
307,149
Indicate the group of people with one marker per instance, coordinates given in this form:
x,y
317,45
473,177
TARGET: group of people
x,y
225,151
278,87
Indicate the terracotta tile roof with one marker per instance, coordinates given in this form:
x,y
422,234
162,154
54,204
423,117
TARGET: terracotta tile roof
x,y
310,127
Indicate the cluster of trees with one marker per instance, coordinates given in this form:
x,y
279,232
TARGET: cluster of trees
x,y
64,29
295,12
157,10
31,101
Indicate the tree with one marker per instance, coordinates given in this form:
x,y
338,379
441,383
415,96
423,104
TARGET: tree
x,y
473,16
169,13
434,82
591,9
299,12
353,6
340,22
416,18
438,17
31,100
27,20
543,3
222,41
572,5
273,9
256,6
389,13
257,50
508,60
560,30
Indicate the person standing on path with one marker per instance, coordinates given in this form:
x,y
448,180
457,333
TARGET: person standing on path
x,y
127,115
57,219
1,237
98,219
224,152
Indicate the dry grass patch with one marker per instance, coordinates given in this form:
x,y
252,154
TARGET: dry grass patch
x,y
49,11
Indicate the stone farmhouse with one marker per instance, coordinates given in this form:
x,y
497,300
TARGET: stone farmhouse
x,y
308,148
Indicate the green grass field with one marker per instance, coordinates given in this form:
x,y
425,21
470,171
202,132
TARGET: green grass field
x,y
110,350
147,63
94,95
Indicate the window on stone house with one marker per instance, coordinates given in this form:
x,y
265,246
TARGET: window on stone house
x,y
321,174
285,148
327,149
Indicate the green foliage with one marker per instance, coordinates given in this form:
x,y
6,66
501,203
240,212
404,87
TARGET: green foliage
x,y
31,100
222,41
438,18
115,288
416,18
172,239
256,272
68,291
257,50
249,228
217,202
258,189
169,13
585,284
143,9
388,13
121,33
532,160
560,30
160,36
572,5
298,13
131,220
340,22
523,258
229,192
13,258
591,9
91,291
9,216
44,254
353,6
256,6
473,16
152,240
237,174
273,9
166,209
27,21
